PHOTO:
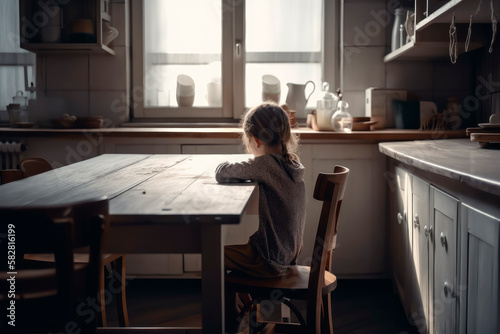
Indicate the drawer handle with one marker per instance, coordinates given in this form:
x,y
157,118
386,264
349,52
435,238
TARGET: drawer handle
x,y
448,291
428,231
416,222
443,239
401,217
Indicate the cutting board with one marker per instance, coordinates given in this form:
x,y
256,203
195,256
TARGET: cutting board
x,y
486,139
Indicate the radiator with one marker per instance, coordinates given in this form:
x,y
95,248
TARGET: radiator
x,y
10,154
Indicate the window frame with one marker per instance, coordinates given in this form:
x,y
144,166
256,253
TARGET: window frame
x,y
19,59
233,59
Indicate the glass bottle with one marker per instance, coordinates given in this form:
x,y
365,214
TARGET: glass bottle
x,y
342,119
399,19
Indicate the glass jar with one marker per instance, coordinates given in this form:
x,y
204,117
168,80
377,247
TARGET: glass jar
x,y
325,108
342,119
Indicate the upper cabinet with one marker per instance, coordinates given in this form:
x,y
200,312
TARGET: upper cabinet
x,y
77,26
440,29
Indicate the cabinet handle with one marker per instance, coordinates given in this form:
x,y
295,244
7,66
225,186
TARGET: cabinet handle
x,y
426,231
416,221
443,239
238,48
448,291
400,218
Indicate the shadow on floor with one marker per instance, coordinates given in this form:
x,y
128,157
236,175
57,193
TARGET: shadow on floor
x,y
359,306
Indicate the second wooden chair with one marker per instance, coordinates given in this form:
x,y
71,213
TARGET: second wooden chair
x,y
54,299
115,262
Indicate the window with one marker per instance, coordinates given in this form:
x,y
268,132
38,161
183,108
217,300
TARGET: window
x,y
16,65
205,60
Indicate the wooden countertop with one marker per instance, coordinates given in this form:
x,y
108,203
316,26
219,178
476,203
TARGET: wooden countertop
x,y
233,133
457,159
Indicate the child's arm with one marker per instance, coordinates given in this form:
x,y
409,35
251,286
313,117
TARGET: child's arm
x,y
239,171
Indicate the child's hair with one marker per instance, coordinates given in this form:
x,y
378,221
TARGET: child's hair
x,y
270,123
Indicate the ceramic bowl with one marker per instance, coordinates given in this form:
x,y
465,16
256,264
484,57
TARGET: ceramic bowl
x,y
64,123
92,122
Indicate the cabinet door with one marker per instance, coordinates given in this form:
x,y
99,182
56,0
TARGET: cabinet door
x,y
443,270
400,240
482,233
361,243
419,222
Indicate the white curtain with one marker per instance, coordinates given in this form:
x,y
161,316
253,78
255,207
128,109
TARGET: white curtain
x,y
181,37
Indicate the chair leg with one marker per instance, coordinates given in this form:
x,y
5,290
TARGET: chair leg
x,y
326,319
118,266
232,323
101,319
253,318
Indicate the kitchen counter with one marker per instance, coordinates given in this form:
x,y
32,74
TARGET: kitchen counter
x,y
233,133
457,159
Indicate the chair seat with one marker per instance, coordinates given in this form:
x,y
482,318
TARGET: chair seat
x,y
78,258
295,282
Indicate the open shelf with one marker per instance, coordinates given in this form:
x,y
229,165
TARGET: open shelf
x,y
463,9
431,38
67,48
94,11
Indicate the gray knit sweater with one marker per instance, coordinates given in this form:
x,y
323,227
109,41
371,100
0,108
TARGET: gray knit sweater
x,y
282,205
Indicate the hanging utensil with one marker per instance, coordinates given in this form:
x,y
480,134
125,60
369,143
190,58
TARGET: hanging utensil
x,y
453,41
493,26
469,31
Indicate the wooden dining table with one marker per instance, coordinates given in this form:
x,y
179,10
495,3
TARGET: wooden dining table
x,y
159,203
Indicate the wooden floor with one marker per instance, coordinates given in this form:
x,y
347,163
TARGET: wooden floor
x,y
359,306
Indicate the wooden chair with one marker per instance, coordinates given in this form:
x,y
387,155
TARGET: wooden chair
x,y
34,166
116,262
56,298
312,284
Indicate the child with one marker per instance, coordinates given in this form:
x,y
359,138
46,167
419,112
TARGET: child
x,y
282,200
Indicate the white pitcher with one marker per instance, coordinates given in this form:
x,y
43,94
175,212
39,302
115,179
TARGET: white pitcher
x,y
296,98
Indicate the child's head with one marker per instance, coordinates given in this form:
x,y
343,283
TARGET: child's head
x,y
269,123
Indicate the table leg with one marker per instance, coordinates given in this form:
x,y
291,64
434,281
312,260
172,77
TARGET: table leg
x,y
212,268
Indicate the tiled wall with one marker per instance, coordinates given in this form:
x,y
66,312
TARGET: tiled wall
x,y
487,80
364,49
98,84
366,40
88,84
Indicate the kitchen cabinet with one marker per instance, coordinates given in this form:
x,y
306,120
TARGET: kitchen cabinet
x,y
463,233
480,261
46,27
361,249
432,22
400,234
443,274
423,251
421,256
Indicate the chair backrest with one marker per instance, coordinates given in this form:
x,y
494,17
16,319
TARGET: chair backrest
x,y
34,166
329,189
58,229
